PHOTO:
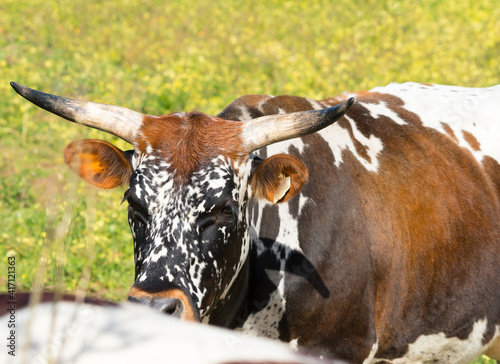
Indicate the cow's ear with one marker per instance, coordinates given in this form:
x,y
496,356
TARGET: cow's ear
x,y
99,162
279,178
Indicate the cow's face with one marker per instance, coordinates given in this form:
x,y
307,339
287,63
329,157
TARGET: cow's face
x,y
189,177
187,196
187,235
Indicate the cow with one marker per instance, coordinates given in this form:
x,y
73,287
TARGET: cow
x,y
367,230
62,329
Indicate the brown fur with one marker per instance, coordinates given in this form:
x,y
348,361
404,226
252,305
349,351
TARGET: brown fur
x,y
471,139
449,131
424,232
188,142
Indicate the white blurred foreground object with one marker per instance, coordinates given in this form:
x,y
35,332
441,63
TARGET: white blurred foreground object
x,y
84,333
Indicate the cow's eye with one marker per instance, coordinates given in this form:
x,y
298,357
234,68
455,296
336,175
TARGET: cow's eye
x,y
227,211
136,211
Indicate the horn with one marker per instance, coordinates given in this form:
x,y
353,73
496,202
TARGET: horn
x,y
260,132
116,120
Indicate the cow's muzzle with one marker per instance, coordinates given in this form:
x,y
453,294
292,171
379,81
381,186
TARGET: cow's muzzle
x,y
173,302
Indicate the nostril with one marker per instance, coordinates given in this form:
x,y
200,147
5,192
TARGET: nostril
x,y
171,310
133,299
170,306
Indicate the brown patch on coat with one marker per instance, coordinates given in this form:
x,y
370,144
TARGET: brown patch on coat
x,y
449,131
471,139
287,104
189,141
430,244
492,168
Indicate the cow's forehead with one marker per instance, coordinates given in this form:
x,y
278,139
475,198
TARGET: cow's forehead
x,y
154,183
189,142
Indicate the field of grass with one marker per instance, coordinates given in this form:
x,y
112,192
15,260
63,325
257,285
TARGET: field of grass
x,y
159,57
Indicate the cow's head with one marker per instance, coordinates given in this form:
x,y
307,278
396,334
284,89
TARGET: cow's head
x,y
189,177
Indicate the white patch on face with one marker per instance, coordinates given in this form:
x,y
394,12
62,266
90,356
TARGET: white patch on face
x,y
440,349
339,140
138,191
474,110
155,256
135,161
195,271
168,275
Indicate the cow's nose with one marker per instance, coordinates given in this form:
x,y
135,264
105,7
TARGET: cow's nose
x,y
170,306
173,302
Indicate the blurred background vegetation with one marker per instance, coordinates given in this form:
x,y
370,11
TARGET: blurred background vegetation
x,y
159,57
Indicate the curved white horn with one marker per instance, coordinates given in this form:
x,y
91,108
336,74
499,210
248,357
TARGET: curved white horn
x,y
122,122
260,132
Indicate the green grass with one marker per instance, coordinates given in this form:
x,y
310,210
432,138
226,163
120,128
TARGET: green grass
x,y
160,57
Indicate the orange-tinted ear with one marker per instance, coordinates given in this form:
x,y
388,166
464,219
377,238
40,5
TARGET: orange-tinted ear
x,y
99,162
279,178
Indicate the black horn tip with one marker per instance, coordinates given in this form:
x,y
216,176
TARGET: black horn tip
x,y
339,110
24,91
52,103
19,88
346,105
349,102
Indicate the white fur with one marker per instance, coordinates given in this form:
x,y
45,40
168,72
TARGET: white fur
x,y
474,110
441,349
339,140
